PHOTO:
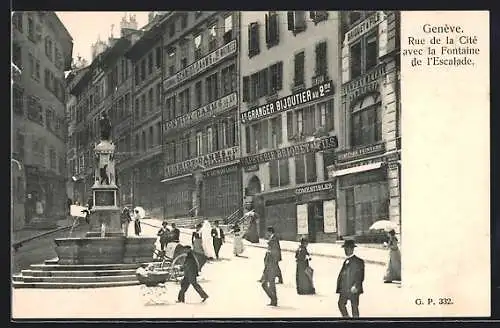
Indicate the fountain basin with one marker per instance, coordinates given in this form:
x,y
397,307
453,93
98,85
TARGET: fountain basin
x,y
104,250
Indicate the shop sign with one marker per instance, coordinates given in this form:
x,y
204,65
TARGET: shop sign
x,y
364,27
291,151
221,171
329,216
367,82
314,188
201,65
251,168
302,224
353,154
216,158
356,164
284,104
214,108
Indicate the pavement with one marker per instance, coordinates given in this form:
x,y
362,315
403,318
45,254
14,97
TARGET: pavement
x,y
372,255
233,288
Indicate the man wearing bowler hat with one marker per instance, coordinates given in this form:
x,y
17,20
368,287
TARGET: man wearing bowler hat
x,y
350,280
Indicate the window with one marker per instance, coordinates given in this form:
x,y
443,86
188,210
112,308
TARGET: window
x,y
17,20
212,37
197,47
48,48
228,29
31,28
18,101
184,55
364,55
276,134
321,59
326,113
223,135
263,85
158,57
143,105
49,118
300,122
158,94
228,79
318,16
210,140
296,21
137,108
199,143
17,57
309,123
184,99
253,39
35,110
254,87
150,63
366,121
198,94
151,99
143,69
144,141
158,134
299,69
52,158
276,81
171,62
272,29
170,104
136,75
151,136
212,88
184,21
279,173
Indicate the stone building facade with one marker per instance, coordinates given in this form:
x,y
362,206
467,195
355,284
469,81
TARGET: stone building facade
x,y
42,50
290,86
367,164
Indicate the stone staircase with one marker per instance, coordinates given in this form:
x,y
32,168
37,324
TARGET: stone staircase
x,y
53,275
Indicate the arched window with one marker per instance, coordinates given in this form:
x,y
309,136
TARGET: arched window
x,y
366,121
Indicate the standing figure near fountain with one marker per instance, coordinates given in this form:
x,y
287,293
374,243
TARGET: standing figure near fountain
x,y
105,125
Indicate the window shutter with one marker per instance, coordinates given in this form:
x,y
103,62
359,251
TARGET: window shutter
x,y
246,88
279,74
215,135
268,38
289,124
291,21
263,83
250,44
247,139
329,116
190,145
256,38
230,133
275,28
264,132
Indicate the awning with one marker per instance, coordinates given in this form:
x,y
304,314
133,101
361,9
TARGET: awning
x,y
356,169
176,178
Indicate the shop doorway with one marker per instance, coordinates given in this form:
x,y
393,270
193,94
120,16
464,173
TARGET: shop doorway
x,y
315,220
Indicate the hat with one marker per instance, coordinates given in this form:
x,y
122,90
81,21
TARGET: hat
x,y
304,240
348,243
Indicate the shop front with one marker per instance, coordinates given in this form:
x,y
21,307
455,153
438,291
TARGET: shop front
x,y
221,191
279,211
316,212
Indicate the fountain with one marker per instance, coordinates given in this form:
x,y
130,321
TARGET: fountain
x,y
105,243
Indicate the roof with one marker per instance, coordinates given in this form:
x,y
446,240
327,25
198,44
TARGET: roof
x,y
119,48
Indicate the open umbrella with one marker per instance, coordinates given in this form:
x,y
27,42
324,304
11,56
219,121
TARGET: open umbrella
x,y
141,211
383,225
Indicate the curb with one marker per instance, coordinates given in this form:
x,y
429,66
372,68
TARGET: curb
x,y
312,253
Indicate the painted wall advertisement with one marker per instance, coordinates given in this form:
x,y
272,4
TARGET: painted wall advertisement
x,y
302,227
329,216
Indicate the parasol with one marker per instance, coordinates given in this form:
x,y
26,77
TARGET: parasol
x,y
385,225
142,212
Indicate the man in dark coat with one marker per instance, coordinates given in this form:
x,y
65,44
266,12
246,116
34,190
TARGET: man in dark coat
x,y
163,233
273,246
268,278
350,280
190,268
218,238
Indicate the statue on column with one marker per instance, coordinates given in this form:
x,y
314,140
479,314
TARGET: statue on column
x,y
105,125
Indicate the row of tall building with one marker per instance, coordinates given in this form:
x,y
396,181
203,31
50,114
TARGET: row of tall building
x,y
295,114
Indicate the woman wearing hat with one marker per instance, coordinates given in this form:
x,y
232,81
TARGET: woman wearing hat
x,y
393,271
303,274
238,246
125,220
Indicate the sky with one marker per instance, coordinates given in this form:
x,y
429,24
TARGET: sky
x,y
86,27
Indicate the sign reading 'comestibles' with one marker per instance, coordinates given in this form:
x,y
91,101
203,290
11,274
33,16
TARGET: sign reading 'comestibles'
x,y
286,103
298,149
200,65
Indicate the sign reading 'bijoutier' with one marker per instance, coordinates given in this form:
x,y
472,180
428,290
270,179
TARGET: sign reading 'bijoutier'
x,y
314,188
199,66
219,157
214,108
282,153
286,103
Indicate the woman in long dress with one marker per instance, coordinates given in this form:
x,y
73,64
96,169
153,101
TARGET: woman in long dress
x,y
207,240
238,247
303,274
393,271
252,234
196,242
